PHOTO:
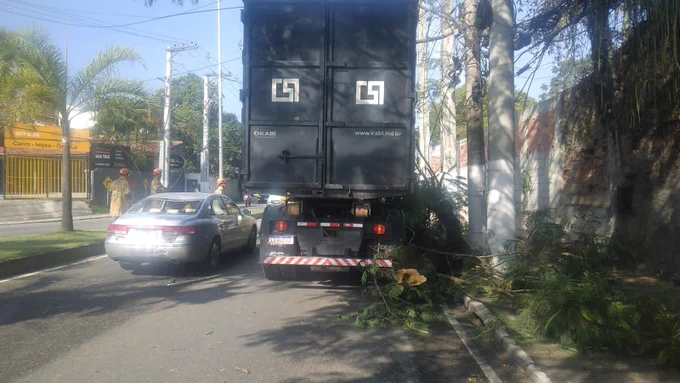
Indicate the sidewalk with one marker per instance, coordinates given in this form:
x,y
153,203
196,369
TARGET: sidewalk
x,y
565,366
255,209
79,218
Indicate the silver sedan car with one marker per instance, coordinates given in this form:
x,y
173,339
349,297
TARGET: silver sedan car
x,y
180,228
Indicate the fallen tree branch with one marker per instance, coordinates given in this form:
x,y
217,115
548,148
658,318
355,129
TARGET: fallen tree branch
x,y
457,255
460,281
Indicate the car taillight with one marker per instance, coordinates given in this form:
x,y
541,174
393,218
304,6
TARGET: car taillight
x,y
185,230
379,229
118,229
281,226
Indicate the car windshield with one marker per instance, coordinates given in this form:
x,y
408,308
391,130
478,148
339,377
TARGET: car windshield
x,y
166,206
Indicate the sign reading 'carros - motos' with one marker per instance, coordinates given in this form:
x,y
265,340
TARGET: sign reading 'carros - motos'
x,y
45,138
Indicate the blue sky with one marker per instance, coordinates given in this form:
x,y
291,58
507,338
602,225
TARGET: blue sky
x,y
201,28
84,43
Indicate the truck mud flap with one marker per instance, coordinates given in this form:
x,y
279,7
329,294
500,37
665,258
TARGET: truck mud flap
x,y
325,261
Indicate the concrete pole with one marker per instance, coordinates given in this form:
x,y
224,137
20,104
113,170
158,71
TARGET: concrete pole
x,y
164,150
423,96
219,91
448,91
501,205
475,131
205,154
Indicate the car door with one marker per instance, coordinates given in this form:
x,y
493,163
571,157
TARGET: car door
x,y
233,223
217,211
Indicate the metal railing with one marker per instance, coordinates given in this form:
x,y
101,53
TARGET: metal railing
x,y
36,178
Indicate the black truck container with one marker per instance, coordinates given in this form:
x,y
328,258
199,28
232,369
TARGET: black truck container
x,y
328,116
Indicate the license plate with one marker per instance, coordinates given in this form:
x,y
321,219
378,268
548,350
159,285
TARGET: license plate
x,y
329,269
281,240
145,235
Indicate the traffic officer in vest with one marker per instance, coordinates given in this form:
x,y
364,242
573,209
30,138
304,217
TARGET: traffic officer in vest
x,y
221,186
156,184
120,189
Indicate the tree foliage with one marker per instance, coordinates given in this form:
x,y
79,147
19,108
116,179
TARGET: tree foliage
x,y
38,73
567,74
522,102
187,125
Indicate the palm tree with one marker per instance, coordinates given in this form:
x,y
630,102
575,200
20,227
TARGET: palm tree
x,y
74,95
23,96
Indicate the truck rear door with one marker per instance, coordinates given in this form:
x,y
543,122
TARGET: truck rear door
x,y
370,101
329,95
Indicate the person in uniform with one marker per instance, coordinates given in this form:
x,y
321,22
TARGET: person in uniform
x,y
156,184
221,186
120,189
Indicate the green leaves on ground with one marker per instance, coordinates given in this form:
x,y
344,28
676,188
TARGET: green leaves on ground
x,y
566,289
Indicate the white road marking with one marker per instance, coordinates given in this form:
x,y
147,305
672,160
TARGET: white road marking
x,y
54,268
486,368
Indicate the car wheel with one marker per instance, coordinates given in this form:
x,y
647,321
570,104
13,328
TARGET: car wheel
x,y
252,241
214,257
129,265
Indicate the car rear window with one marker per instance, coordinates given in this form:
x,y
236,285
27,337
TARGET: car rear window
x,y
166,206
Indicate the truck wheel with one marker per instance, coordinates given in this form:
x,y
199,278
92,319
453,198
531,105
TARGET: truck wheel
x,y
280,273
271,272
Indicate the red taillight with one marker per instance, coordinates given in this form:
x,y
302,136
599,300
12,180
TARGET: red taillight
x,y
186,230
312,224
281,226
379,229
118,229
334,225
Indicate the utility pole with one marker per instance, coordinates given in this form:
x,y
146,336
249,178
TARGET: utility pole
x,y
219,90
448,90
205,154
475,131
164,149
423,94
501,209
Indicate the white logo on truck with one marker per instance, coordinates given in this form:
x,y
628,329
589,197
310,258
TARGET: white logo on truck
x,y
267,134
374,89
290,90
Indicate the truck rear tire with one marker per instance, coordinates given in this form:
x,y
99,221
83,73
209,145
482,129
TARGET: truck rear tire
x,y
280,273
271,272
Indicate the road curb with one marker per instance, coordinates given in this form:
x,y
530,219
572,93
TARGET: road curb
x,y
506,343
43,261
48,220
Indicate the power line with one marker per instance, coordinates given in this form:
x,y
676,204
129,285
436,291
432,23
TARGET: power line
x,y
160,38
71,17
119,25
197,69
175,15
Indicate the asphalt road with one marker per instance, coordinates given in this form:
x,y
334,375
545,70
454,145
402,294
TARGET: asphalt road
x,y
94,322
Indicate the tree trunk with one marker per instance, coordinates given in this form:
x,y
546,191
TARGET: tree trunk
x,y
501,209
475,131
66,190
603,89
448,91
423,94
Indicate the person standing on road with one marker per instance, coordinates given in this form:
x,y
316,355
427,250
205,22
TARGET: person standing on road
x,y
156,184
221,186
119,192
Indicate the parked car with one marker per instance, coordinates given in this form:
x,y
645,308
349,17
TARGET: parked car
x,y
261,198
276,200
180,228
